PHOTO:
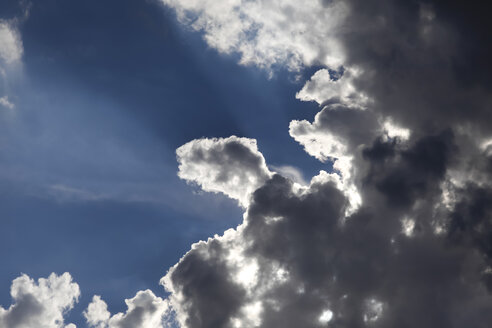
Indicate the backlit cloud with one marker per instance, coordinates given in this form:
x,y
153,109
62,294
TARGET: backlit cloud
x,y
40,304
268,33
144,310
398,233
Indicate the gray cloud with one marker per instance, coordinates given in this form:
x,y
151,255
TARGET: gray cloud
x,y
406,124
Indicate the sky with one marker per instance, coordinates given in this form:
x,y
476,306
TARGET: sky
x,y
230,163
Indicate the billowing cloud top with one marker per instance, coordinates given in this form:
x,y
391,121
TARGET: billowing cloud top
x,y
144,310
268,33
40,304
232,166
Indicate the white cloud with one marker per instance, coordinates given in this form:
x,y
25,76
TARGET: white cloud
x,y
268,33
40,304
5,102
319,143
232,166
11,49
97,314
322,88
393,130
326,316
144,310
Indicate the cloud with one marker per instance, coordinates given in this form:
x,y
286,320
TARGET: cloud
x,y
5,102
144,310
399,233
297,258
12,49
291,172
335,87
331,135
40,304
268,33
232,166
97,314
11,52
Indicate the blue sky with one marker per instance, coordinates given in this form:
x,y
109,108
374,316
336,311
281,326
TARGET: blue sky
x,y
106,93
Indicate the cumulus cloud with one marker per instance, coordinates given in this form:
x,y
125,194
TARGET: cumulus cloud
x,y
298,261
144,310
40,304
97,314
331,136
398,234
333,87
268,33
232,166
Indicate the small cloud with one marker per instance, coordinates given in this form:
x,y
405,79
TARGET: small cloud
x,y
5,102
65,193
232,166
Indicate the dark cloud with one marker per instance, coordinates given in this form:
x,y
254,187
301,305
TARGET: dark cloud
x,y
418,59
408,127
407,175
365,269
207,284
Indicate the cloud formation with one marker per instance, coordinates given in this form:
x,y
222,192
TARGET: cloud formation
x,y
399,233
268,33
232,166
11,52
40,304
12,49
336,87
144,310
